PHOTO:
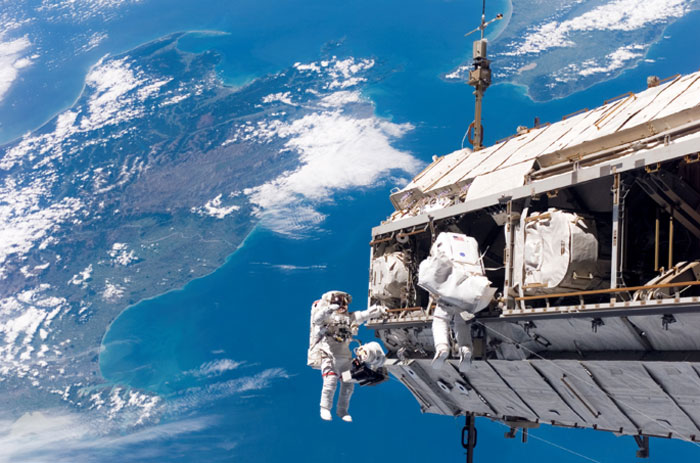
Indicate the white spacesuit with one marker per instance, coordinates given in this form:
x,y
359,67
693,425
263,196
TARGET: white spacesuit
x,y
332,328
443,316
453,274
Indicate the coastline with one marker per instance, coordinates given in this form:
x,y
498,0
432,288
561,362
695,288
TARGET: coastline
x,y
102,347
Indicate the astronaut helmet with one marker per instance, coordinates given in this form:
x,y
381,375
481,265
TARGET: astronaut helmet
x,y
340,298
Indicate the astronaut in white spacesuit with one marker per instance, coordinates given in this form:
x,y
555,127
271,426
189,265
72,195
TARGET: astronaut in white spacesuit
x,y
454,276
332,329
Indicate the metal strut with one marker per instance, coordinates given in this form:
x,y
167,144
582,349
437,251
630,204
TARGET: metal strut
x,y
480,78
643,444
469,436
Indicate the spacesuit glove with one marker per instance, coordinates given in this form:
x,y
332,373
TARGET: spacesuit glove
x,y
363,316
377,311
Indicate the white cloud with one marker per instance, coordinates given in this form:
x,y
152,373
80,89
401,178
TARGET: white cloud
x,y
49,435
25,221
112,292
121,255
23,316
341,73
175,99
214,208
25,324
195,398
282,97
112,100
93,41
293,268
337,152
82,10
613,61
12,59
119,92
340,98
618,15
31,147
216,367
459,73
312,67
256,382
81,277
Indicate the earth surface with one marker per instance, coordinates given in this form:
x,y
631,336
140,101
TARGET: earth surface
x,y
180,180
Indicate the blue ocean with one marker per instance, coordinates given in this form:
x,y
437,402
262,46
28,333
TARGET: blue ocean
x,y
226,352
256,306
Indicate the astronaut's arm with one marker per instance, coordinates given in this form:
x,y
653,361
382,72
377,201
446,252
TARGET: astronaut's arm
x,y
323,313
363,316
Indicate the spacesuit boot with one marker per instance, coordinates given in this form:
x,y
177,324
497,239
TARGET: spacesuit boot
x,y
442,351
463,332
465,359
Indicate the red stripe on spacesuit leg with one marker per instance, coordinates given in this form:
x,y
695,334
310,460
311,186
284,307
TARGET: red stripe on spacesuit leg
x,y
329,373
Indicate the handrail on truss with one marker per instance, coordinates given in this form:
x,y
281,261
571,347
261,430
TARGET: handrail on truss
x,y
609,290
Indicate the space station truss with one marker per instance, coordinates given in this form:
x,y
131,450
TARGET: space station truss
x,y
613,342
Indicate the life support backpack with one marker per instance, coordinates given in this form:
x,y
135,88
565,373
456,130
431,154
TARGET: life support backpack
x,y
454,274
313,357
316,332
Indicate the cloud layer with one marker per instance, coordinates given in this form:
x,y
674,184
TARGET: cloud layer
x,y
337,152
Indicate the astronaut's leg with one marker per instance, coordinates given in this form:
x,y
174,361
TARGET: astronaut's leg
x,y
330,381
441,336
463,332
346,389
344,400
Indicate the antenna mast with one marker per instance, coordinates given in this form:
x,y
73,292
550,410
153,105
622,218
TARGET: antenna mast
x,y
480,76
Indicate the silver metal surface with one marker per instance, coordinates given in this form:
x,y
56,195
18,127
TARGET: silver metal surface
x,y
675,149
649,398
535,391
641,399
585,396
